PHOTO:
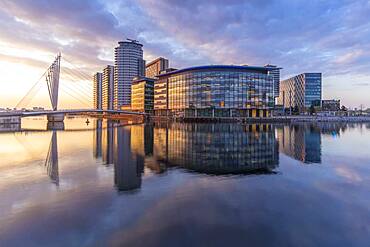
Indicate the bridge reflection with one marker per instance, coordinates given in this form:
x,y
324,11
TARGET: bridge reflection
x,y
51,162
215,149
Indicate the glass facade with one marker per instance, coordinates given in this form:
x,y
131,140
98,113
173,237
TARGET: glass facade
x,y
215,91
142,95
312,89
301,91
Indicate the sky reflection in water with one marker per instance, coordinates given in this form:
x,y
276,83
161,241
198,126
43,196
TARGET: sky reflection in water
x,y
185,184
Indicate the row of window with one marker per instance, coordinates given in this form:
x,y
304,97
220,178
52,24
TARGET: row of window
x,y
217,89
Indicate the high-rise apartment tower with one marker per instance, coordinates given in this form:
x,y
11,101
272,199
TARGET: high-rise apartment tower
x,y
98,96
129,63
107,88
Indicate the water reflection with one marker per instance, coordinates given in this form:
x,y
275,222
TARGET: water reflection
x,y
178,206
217,149
97,135
205,148
301,142
10,127
51,162
128,163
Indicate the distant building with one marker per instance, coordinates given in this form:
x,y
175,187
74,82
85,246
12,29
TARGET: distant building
x,y
38,108
301,91
155,67
167,71
142,94
98,86
215,91
108,88
330,105
275,72
129,63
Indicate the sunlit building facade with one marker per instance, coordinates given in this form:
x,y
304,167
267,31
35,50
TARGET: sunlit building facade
x,y
129,63
107,88
155,67
302,91
142,94
216,91
97,93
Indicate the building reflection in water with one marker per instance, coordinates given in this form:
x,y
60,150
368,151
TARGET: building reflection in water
x,y
107,142
128,163
125,147
97,144
303,141
217,148
204,148
10,127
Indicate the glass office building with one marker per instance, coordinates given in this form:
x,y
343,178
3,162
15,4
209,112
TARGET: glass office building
x,y
216,91
142,94
301,91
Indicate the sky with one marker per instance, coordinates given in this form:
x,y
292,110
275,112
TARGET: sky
x,y
328,36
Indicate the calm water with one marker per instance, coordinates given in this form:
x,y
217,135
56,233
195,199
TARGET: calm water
x,y
184,184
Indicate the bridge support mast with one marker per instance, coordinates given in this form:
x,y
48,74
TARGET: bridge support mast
x,y
52,80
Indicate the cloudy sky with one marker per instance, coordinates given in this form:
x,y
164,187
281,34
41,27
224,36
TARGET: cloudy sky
x,y
332,37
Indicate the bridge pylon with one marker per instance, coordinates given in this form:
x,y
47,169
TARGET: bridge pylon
x,y
52,80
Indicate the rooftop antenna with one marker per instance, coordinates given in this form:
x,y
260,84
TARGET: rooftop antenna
x,y
133,40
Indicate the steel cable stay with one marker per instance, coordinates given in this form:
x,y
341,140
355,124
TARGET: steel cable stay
x,y
76,75
31,91
76,83
73,82
78,70
80,99
78,90
75,93
71,95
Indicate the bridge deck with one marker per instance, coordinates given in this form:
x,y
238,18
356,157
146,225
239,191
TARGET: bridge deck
x,y
74,111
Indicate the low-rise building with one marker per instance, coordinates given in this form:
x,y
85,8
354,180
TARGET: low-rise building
x,y
330,105
155,67
142,95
